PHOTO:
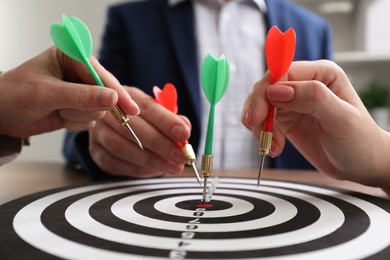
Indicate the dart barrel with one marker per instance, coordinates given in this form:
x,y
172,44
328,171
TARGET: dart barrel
x,y
119,115
265,142
207,165
189,153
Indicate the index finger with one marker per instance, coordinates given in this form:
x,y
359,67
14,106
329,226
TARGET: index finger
x,y
325,71
170,124
126,103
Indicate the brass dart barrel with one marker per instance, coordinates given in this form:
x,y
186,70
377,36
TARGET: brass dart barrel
x,y
265,142
122,119
207,171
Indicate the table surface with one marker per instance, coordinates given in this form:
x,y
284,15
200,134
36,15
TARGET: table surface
x,y
18,179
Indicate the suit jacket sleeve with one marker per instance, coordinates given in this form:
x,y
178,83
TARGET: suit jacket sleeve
x,y
77,156
9,149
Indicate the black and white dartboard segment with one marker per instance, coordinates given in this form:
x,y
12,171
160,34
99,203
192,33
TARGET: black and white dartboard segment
x,y
161,219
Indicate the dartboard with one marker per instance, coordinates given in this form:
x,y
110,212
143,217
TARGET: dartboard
x,y
164,218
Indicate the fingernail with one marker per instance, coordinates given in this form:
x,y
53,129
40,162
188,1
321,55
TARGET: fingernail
x,y
274,148
178,133
136,105
248,119
280,93
106,97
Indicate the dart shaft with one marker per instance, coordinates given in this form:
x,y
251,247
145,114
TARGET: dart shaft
x,y
269,120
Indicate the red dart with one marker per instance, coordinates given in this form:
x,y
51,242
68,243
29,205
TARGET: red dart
x,y
168,99
279,54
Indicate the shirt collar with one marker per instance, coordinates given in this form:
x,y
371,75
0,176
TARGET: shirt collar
x,y
260,3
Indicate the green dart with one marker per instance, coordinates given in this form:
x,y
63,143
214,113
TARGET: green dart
x,y
73,38
215,75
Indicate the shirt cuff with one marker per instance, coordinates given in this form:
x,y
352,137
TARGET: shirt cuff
x,y
10,148
387,190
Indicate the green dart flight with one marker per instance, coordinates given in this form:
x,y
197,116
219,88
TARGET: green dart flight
x,y
215,75
73,38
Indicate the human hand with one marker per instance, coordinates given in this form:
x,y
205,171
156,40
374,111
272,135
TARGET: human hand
x,y
38,96
159,130
319,111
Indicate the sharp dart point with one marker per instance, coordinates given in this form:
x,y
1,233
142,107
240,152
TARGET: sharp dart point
x,y
196,173
134,136
260,170
204,189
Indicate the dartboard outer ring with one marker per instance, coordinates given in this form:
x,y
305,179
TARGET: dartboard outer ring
x,y
161,219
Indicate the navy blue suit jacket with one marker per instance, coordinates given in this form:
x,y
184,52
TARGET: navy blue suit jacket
x,y
148,43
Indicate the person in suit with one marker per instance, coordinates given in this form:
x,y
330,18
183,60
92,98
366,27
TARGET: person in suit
x,y
51,91
148,43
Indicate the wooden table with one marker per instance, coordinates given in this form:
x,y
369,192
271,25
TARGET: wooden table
x,y
22,178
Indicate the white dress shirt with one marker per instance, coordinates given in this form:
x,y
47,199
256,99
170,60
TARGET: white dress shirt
x,y
236,29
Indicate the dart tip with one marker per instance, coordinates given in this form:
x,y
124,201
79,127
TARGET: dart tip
x,y
204,189
196,174
138,142
140,145
260,169
135,138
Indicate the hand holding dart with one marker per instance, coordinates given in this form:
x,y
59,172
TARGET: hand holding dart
x,y
73,38
279,54
168,99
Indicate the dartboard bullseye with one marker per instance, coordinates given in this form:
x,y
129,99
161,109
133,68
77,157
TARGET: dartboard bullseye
x,y
164,219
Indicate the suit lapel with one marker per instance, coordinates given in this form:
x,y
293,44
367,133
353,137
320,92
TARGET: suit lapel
x,y
276,14
180,24
279,14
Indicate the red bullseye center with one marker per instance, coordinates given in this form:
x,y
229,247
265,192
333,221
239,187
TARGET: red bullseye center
x,y
205,205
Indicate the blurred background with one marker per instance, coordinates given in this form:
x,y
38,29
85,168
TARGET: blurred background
x,y
361,38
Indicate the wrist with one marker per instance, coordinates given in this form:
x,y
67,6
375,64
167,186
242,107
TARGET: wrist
x,y
384,162
387,190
